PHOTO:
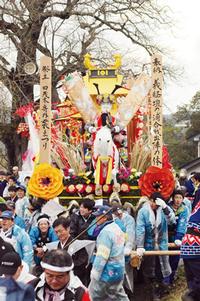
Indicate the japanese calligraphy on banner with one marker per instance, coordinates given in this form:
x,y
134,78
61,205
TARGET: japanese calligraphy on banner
x,y
156,111
45,109
149,116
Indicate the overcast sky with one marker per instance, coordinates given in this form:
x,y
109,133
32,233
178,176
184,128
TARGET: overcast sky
x,y
186,51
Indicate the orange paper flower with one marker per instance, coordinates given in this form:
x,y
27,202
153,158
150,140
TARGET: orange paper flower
x,y
46,182
157,179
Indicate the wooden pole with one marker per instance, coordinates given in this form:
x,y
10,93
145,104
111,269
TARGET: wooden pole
x,y
45,109
156,111
136,260
158,253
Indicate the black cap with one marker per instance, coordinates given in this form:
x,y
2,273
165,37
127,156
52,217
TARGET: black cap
x,y
10,263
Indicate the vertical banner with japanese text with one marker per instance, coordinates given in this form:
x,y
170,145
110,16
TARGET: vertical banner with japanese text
x,y
156,111
45,109
149,117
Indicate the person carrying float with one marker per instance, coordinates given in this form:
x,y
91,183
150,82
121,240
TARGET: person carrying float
x,y
177,230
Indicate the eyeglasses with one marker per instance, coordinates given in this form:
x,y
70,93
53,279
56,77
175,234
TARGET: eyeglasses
x,y
56,277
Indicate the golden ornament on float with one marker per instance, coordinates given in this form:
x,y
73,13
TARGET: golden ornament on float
x,y
46,182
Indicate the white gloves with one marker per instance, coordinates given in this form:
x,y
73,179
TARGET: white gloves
x,y
178,242
127,251
44,248
161,203
140,251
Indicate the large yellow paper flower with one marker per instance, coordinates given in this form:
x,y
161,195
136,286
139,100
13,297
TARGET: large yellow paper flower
x,y
46,182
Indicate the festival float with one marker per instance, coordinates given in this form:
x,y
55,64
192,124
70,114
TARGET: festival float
x,y
104,138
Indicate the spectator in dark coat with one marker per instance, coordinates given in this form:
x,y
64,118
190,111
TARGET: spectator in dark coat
x,y
11,267
3,182
197,193
16,291
12,191
5,247
15,172
81,219
11,181
183,177
190,188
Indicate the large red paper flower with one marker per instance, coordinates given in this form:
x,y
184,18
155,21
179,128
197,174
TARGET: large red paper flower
x,y
157,179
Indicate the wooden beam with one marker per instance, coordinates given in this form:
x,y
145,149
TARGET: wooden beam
x,y
158,253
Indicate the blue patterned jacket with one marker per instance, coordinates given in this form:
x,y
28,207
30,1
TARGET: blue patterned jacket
x,y
151,230
22,244
178,229
109,263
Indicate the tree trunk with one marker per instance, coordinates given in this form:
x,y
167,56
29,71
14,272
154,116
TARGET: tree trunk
x,y
15,145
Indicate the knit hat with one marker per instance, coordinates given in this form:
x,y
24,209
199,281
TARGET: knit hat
x,y
43,217
10,263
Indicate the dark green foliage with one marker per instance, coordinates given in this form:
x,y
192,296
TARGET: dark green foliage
x,y
180,130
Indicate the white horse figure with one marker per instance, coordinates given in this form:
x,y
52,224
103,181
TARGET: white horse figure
x,y
105,157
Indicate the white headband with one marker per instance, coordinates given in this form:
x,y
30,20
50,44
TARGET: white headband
x,y
55,268
43,219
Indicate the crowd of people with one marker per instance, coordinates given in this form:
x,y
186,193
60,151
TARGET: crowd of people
x,y
85,253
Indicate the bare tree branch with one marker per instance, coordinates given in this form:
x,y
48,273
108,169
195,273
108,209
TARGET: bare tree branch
x,y
68,29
